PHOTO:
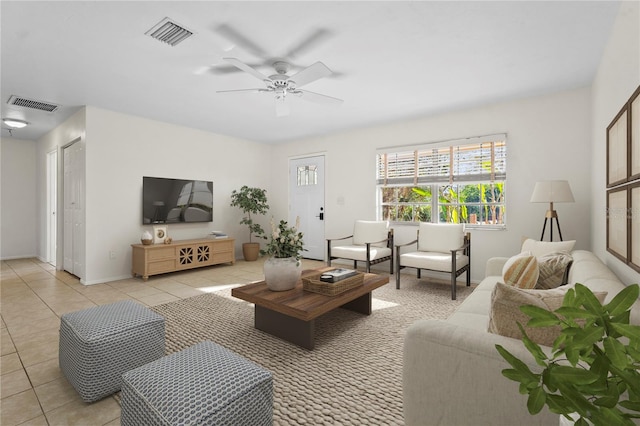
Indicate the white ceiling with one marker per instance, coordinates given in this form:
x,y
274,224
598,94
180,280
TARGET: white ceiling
x,y
392,60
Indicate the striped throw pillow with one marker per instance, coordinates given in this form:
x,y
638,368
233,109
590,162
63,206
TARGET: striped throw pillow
x,y
554,270
521,271
505,313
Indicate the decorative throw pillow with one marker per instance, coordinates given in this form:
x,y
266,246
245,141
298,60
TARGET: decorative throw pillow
x,y
541,248
505,311
554,270
521,271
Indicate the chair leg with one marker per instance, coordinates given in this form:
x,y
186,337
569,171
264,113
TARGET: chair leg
x,y
398,278
355,264
391,266
469,277
419,274
453,285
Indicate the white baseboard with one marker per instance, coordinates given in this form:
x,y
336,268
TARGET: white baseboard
x,y
106,280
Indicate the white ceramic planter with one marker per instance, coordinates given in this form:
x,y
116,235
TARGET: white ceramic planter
x,y
282,274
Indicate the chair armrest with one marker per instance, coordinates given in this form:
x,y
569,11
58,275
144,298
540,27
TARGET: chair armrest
x,y
461,248
377,242
403,245
494,266
337,239
406,244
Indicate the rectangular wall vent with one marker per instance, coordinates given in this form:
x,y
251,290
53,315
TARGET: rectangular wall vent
x,y
169,32
32,103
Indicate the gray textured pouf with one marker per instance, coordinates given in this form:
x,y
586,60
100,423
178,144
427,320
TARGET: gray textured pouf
x,y
98,344
205,384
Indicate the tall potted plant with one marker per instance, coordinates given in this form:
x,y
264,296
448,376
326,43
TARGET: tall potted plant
x,y
592,376
251,201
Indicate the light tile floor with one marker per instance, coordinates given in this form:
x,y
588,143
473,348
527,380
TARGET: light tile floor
x,y
33,296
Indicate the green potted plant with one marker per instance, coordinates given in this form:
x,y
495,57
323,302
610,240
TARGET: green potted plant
x,y
592,375
283,268
251,201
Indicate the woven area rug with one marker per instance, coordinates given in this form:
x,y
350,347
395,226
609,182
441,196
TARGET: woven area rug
x,y
354,374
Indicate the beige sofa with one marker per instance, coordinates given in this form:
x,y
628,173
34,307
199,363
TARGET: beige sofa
x,y
452,371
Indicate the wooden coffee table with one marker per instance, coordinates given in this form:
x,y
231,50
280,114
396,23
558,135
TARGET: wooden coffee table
x,y
290,314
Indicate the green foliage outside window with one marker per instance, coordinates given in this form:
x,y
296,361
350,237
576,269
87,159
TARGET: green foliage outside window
x,y
477,204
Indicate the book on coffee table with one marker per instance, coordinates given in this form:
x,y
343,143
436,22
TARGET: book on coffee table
x,y
337,275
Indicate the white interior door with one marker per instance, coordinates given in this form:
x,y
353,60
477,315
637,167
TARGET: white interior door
x,y
306,201
52,206
74,210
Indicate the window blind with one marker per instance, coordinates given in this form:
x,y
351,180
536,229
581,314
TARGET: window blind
x,y
470,162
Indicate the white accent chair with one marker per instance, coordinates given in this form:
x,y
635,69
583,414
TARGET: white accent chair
x,y
442,247
372,243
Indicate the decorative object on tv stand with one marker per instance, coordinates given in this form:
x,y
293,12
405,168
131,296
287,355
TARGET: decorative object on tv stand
x,y
146,238
592,373
552,191
159,234
251,201
283,268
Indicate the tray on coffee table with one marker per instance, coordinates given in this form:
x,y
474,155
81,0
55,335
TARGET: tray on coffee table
x,y
313,284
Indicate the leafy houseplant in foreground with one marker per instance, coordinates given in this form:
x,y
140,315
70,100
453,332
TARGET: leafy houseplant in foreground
x,y
251,201
282,270
593,370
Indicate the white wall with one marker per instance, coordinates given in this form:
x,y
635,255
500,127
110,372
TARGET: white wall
x,y
18,198
617,78
120,149
548,138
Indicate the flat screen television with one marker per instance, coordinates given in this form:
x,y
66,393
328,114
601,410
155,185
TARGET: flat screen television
x,y
167,200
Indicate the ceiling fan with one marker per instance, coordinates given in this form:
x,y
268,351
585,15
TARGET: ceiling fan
x,y
282,86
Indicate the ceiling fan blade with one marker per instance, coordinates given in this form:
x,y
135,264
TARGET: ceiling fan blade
x,y
226,69
308,43
246,68
310,74
242,90
238,39
282,107
318,98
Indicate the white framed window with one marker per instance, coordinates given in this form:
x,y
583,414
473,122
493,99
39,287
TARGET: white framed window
x,y
461,181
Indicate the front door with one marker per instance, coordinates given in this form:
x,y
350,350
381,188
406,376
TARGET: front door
x,y
306,197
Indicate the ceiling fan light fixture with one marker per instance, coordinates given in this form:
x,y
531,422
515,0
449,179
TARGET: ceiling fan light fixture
x,y
14,123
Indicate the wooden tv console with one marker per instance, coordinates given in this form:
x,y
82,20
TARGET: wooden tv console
x,y
180,255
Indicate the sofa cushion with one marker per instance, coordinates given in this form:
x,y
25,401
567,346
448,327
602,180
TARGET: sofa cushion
x,y
541,248
505,311
554,270
434,261
521,271
360,252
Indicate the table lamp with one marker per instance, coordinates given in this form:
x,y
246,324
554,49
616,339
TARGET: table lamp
x,y
552,191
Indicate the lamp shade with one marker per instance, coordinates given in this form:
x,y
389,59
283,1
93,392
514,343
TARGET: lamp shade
x,y
552,191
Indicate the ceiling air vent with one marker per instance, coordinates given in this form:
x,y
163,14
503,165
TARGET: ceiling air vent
x,y
169,32
32,103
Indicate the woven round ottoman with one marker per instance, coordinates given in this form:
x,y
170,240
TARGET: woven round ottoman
x,y
98,344
205,384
